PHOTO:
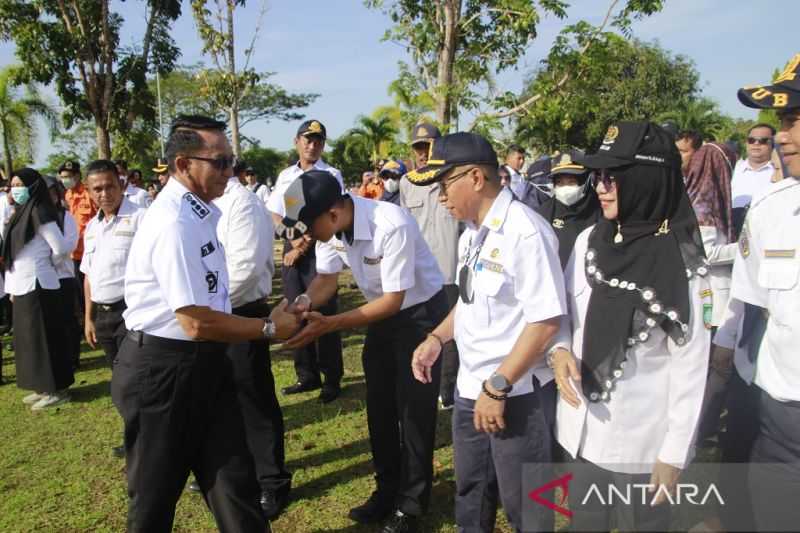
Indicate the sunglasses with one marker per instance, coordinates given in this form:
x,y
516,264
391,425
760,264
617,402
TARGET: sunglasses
x,y
219,163
604,176
759,140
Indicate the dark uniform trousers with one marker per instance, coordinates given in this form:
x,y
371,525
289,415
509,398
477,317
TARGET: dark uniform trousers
x,y
449,354
178,402
110,328
775,465
326,353
401,411
489,466
69,295
263,418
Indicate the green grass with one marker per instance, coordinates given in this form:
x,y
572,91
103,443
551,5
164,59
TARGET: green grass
x,y
57,472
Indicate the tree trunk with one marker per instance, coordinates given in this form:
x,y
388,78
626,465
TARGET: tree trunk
x,y
103,141
447,56
234,109
9,161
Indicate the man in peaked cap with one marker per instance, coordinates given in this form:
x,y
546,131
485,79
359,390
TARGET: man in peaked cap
x,y
440,230
511,299
398,276
765,277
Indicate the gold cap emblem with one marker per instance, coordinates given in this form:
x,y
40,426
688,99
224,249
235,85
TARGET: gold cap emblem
x,y
315,127
611,135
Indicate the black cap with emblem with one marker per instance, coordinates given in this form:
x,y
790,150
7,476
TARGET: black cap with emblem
x,y
634,143
784,93
424,133
70,166
310,195
312,127
452,150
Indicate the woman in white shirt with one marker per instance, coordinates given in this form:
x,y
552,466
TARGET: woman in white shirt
x,y
32,245
632,387
65,269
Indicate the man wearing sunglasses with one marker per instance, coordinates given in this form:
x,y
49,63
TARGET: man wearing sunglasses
x,y
399,277
511,298
753,175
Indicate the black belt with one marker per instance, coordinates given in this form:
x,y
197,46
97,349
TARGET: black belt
x,y
116,306
174,345
255,309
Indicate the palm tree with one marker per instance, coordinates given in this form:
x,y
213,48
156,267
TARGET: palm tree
x,y
375,135
701,115
17,117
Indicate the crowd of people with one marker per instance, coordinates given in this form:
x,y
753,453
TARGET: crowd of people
x,y
599,309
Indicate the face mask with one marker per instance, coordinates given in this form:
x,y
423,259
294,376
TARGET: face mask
x,y
68,182
568,194
391,186
20,195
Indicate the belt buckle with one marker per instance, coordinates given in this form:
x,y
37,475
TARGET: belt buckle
x,y
105,307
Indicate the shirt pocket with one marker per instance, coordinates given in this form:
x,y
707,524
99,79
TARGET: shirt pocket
x,y
780,277
486,286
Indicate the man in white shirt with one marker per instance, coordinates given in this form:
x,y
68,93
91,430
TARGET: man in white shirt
x,y
752,175
511,291
515,160
245,231
247,177
765,274
132,192
399,277
299,269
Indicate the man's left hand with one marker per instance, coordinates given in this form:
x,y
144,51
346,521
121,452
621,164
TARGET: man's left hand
x,y
317,325
488,414
666,475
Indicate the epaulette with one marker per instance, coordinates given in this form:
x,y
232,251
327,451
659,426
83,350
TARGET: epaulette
x,y
197,205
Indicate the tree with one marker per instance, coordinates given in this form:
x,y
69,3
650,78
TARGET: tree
x,y
351,156
374,136
614,79
75,46
17,118
267,162
699,114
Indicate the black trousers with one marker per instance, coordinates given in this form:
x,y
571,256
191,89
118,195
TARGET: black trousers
x,y
6,312
79,278
447,389
401,411
324,355
178,403
255,393
775,465
110,328
72,328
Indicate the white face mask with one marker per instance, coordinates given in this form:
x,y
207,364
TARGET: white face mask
x,y
391,186
568,194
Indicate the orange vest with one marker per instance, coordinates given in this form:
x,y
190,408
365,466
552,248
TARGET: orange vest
x,y
82,209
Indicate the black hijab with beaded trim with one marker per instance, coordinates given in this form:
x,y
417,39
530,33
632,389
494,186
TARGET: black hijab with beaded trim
x,y
642,281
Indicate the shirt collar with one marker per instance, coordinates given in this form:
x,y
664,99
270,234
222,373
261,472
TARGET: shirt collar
x,y
767,165
496,216
125,208
319,164
361,227
232,182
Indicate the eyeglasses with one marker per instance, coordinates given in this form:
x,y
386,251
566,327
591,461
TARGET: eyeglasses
x,y
444,184
604,176
759,140
219,163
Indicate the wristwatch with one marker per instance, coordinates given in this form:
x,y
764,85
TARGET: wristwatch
x,y
500,383
268,331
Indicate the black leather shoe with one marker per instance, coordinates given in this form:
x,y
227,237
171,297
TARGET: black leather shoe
x,y
194,486
329,393
118,451
400,523
375,509
301,387
273,503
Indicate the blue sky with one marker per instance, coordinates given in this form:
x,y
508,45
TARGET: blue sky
x,y
333,47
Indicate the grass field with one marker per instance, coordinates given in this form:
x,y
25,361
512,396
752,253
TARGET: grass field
x,y
57,472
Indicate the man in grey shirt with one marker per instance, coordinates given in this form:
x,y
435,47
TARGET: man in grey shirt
x,y
440,230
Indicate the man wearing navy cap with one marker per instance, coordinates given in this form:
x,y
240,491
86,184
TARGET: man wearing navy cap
x,y
398,275
765,275
299,270
511,298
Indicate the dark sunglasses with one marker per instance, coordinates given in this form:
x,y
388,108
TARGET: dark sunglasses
x,y
604,176
219,163
759,140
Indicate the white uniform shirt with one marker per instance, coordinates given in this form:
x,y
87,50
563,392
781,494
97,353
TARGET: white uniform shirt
x,y
245,231
65,267
37,260
517,280
106,244
6,211
516,183
766,274
137,196
287,176
175,261
653,410
720,256
260,190
747,182
388,254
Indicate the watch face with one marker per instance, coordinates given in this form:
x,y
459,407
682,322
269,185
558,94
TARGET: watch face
x,y
499,382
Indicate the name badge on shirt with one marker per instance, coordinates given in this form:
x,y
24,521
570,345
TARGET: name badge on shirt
x,y
122,233
490,265
212,278
780,254
372,260
207,249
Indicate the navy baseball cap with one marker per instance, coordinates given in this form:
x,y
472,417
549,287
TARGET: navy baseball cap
x,y
634,143
310,195
446,152
393,169
784,93
312,127
424,133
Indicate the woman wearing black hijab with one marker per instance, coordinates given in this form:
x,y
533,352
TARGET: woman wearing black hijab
x,y
32,244
630,396
573,206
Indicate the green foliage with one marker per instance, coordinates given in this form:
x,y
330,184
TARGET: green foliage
x,y
351,156
371,136
267,162
613,79
698,114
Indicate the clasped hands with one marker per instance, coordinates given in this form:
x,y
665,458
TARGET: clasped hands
x,y
288,320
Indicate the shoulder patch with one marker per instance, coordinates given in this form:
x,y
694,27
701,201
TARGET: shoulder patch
x,y
197,205
744,242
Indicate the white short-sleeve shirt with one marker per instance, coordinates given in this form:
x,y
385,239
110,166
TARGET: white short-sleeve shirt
x,y
106,245
517,280
287,176
387,254
175,261
748,183
765,274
